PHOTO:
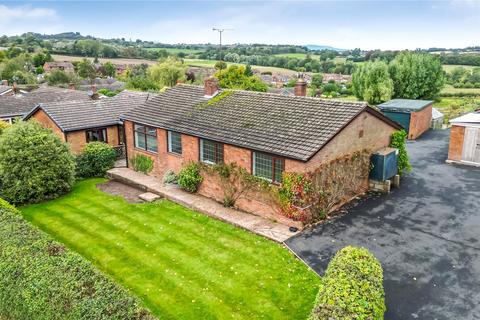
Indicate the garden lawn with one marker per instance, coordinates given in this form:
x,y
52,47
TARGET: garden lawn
x,y
180,263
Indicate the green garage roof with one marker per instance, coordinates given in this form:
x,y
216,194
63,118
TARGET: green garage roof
x,y
404,105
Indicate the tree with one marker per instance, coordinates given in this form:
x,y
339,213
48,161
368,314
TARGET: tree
x,y
167,73
371,82
86,70
234,77
35,165
220,65
416,76
248,70
110,69
58,77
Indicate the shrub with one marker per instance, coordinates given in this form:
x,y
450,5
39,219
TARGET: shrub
x,y
189,177
170,177
96,159
398,140
41,279
351,288
142,163
35,164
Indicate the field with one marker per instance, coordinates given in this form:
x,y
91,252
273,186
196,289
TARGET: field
x,y
58,57
176,50
181,264
450,67
456,106
451,90
313,56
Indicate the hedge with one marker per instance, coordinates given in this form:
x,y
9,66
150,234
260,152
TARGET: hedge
x,y
41,279
352,288
95,160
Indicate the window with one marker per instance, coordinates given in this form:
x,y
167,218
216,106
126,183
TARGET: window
x,y
174,142
268,167
97,135
211,151
145,138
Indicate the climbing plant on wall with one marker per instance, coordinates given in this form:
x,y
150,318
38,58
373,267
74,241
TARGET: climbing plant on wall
x,y
399,141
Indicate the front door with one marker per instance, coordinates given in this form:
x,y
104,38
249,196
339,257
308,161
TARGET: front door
x,y
471,145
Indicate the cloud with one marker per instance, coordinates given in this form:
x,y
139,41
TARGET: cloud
x,y
20,19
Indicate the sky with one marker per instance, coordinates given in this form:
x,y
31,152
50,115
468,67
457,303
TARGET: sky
x,y
342,24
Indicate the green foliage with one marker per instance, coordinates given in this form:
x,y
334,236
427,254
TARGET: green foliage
x,y
60,77
110,69
189,177
220,65
167,72
39,70
399,141
317,80
371,82
95,160
109,93
35,164
352,288
234,77
142,163
416,76
141,83
86,70
170,177
23,77
41,279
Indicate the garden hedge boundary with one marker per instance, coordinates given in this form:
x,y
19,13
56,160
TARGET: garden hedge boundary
x,y
41,279
352,288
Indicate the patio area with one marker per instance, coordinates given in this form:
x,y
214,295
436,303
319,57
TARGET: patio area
x,y
261,226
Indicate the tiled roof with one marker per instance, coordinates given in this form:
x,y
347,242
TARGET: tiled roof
x,y
4,88
20,104
294,127
404,105
84,114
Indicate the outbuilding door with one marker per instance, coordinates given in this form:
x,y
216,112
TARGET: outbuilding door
x,y
471,145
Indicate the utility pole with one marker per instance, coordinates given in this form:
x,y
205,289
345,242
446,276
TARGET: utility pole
x,y
220,31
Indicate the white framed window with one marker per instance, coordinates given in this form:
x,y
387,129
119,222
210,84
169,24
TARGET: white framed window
x,y
268,167
211,151
174,142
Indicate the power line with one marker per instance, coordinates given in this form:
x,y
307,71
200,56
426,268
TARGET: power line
x,y
220,31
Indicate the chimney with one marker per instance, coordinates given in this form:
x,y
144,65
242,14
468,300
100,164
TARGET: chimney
x,y
211,86
300,88
94,89
15,88
71,86
5,82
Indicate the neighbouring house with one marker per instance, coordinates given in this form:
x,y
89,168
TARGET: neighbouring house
x,y
437,119
465,139
266,134
58,65
336,77
81,121
415,116
18,105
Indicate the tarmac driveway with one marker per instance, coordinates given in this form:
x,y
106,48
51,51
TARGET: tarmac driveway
x,y
426,234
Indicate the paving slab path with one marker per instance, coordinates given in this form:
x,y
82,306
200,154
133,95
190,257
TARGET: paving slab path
x,y
264,227
426,234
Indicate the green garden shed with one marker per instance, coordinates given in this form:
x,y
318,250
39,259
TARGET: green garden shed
x,y
414,116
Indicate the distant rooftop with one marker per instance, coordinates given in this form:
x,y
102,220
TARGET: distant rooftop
x,y
472,117
404,105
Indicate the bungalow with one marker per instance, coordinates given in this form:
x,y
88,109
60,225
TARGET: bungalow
x,y
58,65
17,106
266,134
465,139
81,121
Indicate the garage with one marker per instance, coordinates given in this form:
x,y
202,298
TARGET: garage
x,y
465,139
415,116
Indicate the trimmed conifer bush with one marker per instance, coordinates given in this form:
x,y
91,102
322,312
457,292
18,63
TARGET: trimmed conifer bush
x,y
352,288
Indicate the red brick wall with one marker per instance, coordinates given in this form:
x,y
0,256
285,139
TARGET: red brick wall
x,y
420,122
455,147
47,122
